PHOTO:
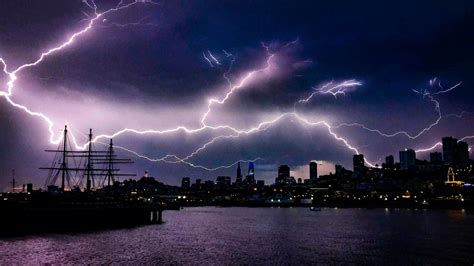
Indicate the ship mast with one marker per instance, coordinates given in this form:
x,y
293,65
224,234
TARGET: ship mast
x,y
13,180
89,162
105,158
64,164
111,161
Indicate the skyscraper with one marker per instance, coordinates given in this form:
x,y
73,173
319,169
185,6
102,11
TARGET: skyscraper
x,y
283,174
186,182
389,161
250,178
358,165
238,179
407,159
283,171
462,158
313,171
251,171
449,150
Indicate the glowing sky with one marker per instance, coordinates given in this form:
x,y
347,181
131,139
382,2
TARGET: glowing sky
x,y
285,82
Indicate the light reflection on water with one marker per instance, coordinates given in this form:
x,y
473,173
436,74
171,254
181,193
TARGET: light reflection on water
x,y
211,235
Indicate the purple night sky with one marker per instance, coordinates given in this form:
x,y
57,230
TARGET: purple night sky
x,y
199,85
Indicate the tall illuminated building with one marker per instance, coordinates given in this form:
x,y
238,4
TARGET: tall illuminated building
x,y
250,178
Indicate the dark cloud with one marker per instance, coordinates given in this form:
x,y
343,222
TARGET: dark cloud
x,y
155,76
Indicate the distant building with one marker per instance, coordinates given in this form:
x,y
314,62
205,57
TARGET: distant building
x,y
250,178
358,165
260,183
407,159
284,177
209,185
251,171
313,172
283,171
300,181
238,179
450,145
436,157
283,174
462,158
186,182
29,187
197,185
389,161
223,182
338,170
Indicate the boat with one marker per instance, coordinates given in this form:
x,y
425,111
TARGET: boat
x,y
92,199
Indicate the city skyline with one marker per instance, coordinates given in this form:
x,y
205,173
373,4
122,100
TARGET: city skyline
x,y
228,89
455,155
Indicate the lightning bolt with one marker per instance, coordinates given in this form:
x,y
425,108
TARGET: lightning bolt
x,y
213,58
12,75
425,93
131,24
243,81
331,88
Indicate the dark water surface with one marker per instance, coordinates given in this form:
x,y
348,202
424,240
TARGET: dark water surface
x,y
225,236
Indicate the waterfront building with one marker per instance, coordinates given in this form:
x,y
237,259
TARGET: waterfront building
x,y
250,178
462,158
358,164
407,159
185,182
283,171
450,145
223,182
238,179
313,172
389,161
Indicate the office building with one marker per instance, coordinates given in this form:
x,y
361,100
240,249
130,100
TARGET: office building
x,y
358,165
462,158
185,182
450,145
238,179
407,159
313,171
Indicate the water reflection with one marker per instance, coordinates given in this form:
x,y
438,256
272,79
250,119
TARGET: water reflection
x,y
236,236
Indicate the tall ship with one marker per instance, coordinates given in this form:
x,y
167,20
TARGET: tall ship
x,y
82,193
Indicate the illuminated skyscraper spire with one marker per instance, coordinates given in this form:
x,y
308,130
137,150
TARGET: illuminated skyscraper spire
x,y
250,179
251,169
238,180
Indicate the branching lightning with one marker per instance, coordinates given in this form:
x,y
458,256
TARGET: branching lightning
x,y
229,132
